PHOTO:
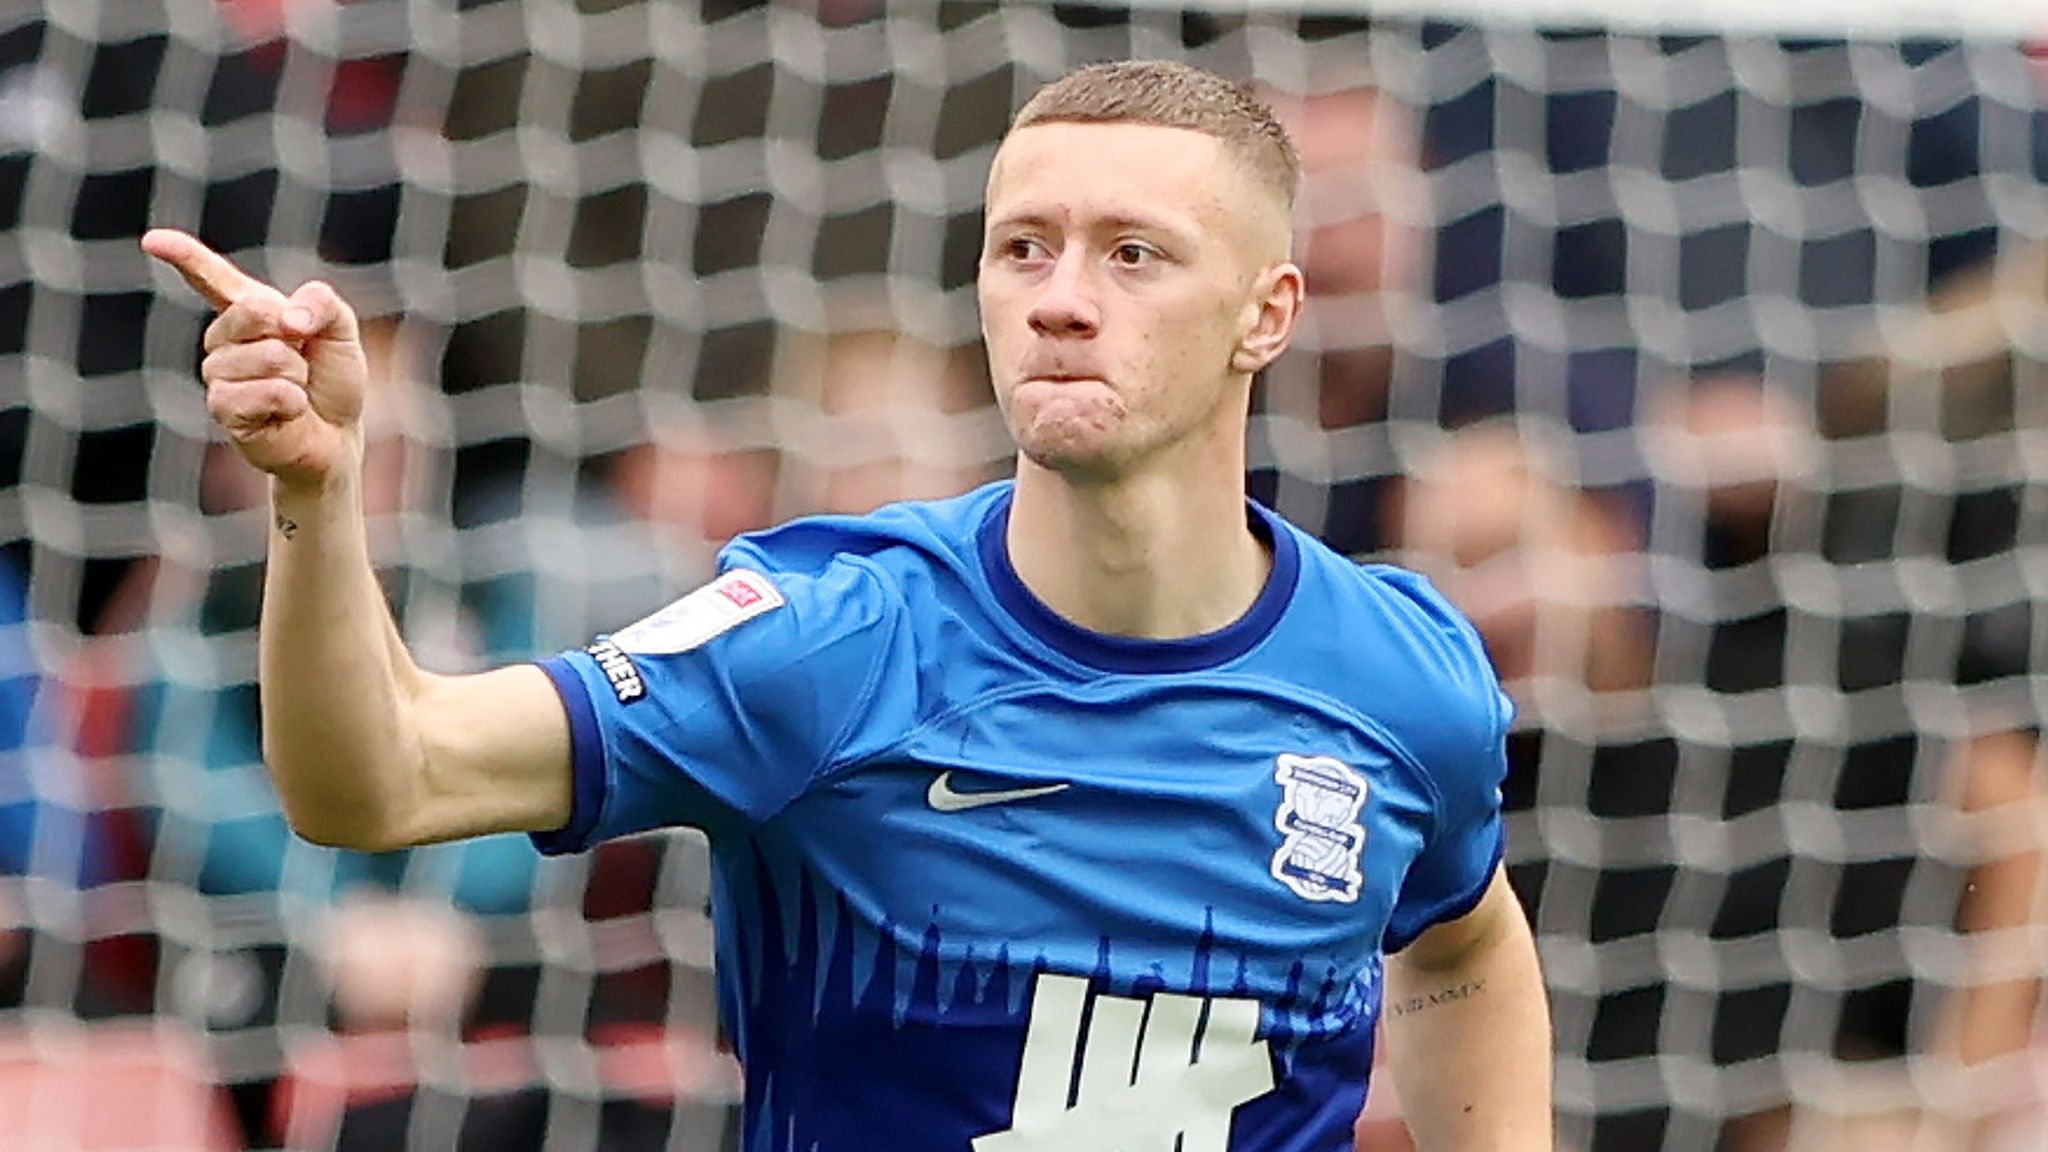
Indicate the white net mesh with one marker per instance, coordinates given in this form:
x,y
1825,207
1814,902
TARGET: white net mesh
x,y
1755,537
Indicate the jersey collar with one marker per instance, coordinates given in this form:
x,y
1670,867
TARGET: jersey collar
x,y
1128,654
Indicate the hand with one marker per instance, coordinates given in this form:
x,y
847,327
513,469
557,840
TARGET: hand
x,y
285,375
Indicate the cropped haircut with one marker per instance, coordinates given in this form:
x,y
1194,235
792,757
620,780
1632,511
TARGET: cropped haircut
x,y
1165,94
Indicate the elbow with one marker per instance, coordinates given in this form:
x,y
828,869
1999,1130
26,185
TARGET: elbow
x,y
357,832
329,819
328,833
328,836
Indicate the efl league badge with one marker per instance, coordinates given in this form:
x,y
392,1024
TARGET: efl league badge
x,y
1318,820
703,615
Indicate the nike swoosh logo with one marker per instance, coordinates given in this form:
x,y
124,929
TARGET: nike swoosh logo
x,y
943,798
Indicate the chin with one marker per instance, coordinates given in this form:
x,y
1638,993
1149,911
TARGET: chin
x,y
1075,456
1062,457
1062,438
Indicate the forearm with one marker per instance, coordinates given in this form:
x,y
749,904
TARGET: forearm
x,y
336,681
1469,1041
367,750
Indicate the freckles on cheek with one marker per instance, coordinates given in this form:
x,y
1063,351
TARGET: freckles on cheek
x,y
1110,412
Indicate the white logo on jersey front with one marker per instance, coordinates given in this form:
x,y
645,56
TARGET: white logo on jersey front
x,y
1318,818
720,606
1141,1076
943,797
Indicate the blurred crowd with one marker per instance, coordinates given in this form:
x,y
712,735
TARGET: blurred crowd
x,y
1783,850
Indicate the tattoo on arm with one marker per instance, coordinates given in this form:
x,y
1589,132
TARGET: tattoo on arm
x,y
286,526
1451,995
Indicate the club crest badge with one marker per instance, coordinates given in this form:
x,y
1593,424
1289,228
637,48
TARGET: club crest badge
x,y
1321,837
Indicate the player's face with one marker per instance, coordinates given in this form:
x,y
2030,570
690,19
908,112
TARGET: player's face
x,y
1129,278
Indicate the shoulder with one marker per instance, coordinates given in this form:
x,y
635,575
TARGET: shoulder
x,y
1390,615
819,581
1433,627
1401,653
902,541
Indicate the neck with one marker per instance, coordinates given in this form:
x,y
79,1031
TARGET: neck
x,y
1156,556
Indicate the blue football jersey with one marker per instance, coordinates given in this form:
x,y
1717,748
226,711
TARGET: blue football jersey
x,y
990,882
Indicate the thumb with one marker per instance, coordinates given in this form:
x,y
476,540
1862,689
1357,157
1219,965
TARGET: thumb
x,y
317,312
331,340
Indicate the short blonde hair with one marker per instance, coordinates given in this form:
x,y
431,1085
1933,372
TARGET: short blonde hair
x,y
1166,94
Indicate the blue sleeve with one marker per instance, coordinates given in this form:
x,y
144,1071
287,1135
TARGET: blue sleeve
x,y
1465,757
714,715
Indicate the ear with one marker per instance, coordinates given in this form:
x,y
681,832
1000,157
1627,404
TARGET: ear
x,y
1270,316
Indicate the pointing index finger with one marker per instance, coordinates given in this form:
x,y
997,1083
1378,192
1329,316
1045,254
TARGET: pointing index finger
x,y
211,274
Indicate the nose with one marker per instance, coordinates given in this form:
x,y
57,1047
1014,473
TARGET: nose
x,y
1066,304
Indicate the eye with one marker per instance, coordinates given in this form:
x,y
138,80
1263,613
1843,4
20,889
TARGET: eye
x,y
1024,249
1134,254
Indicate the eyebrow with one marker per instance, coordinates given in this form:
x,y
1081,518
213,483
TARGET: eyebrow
x,y
1116,221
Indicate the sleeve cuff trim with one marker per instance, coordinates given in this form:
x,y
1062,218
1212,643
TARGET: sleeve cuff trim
x,y
586,751
1453,909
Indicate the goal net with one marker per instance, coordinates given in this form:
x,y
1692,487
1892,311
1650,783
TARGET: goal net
x,y
1696,353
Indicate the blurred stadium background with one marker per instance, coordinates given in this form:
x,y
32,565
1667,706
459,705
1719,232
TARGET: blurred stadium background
x,y
1698,353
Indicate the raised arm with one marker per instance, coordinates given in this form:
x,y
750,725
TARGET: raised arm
x,y
368,750
1468,1032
